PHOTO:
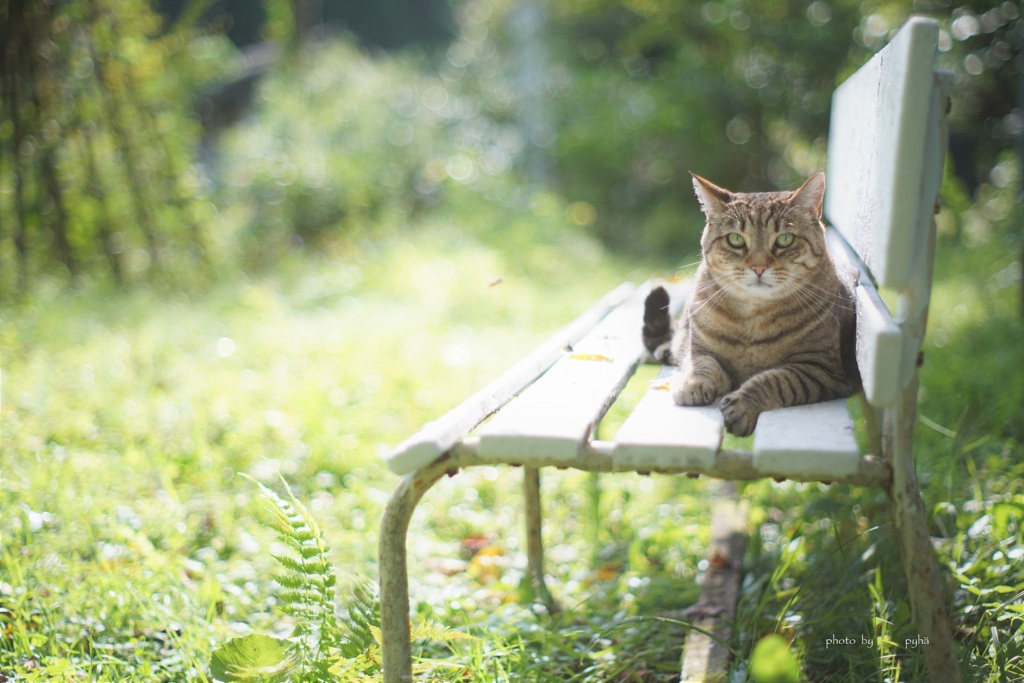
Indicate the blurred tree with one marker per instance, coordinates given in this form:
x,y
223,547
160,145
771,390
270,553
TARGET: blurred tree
x,y
243,21
391,24
96,141
339,145
738,92
608,102
386,24
640,92
983,44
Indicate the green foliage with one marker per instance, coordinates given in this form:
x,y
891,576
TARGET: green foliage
x,y
307,584
772,662
442,242
360,627
127,417
739,92
978,329
734,92
306,595
309,168
321,647
97,142
254,658
280,27
608,104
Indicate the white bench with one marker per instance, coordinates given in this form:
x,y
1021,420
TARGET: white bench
x,y
886,149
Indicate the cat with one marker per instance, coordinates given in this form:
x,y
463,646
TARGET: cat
x,y
770,323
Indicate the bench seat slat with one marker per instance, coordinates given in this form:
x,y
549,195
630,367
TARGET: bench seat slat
x,y
553,417
659,433
806,441
437,437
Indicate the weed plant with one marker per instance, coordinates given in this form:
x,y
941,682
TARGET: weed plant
x,y
133,547
350,299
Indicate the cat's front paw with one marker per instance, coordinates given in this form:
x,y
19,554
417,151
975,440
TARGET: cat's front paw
x,y
688,390
739,413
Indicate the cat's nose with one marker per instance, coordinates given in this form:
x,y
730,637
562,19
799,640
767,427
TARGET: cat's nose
x,y
759,270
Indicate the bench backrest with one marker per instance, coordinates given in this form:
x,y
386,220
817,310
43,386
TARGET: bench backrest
x,y
886,149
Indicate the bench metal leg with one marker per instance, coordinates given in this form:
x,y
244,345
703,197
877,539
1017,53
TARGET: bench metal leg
x,y
928,600
534,543
394,572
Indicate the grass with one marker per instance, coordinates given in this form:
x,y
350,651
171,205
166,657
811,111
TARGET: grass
x,y
132,546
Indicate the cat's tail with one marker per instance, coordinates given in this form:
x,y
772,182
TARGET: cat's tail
x,y
657,332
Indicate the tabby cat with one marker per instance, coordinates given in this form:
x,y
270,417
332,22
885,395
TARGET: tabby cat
x,y
770,323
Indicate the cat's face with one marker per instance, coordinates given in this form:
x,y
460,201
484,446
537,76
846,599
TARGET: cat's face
x,y
765,245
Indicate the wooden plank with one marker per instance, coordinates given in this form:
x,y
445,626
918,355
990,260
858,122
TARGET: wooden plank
x,y
876,153
879,349
705,658
551,419
912,307
660,434
436,438
815,440
879,338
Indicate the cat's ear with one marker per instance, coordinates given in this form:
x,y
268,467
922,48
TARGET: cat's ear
x,y
712,198
810,194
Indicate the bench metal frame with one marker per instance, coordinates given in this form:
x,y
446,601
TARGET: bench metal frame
x,y
886,151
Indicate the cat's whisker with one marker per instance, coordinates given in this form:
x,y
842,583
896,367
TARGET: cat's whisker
x,y
717,288
807,284
687,265
812,298
810,303
724,288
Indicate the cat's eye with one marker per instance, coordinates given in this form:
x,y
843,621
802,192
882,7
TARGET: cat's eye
x,y
784,240
735,240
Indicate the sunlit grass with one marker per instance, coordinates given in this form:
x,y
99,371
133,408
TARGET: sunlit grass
x,y
127,418
132,547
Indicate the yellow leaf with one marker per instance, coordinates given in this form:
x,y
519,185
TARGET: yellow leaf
x,y
590,356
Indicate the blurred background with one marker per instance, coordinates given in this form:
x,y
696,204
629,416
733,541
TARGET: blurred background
x,y
245,240
171,139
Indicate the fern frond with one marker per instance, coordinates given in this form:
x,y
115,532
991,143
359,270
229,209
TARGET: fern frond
x,y
363,616
307,580
431,630
315,567
324,645
309,573
306,599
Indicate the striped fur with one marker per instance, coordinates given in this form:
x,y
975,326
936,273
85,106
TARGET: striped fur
x,y
770,324
658,326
